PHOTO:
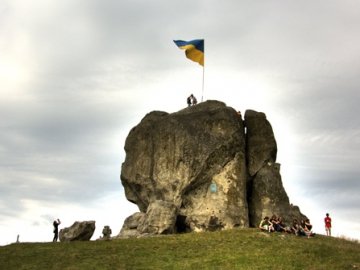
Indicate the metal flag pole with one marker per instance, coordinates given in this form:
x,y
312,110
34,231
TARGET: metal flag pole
x,y
202,93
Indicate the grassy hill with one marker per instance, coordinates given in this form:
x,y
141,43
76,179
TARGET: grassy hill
x,y
232,249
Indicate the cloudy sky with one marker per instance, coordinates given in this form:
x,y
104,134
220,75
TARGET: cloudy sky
x,y
76,76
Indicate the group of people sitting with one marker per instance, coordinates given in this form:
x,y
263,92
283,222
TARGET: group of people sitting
x,y
276,224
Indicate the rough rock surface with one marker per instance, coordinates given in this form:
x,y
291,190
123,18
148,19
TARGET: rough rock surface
x,y
269,197
131,224
202,168
266,194
260,141
79,231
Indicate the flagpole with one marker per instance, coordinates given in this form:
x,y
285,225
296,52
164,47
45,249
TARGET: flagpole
x,y
202,93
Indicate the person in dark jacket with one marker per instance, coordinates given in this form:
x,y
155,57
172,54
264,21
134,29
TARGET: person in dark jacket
x,y
56,224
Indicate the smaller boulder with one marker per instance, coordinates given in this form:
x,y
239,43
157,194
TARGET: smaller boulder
x,y
79,231
106,232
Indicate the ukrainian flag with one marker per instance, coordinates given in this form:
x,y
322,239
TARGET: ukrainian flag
x,y
194,49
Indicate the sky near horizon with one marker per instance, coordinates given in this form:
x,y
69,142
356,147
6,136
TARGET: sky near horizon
x,y
76,76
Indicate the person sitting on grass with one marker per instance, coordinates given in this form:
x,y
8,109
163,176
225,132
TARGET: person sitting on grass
x,y
280,226
307,228
301,231
286,227
276,224
296,228
266,225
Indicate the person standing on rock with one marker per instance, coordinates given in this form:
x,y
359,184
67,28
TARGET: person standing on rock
x,y
194,100
327,221
56,224
189,100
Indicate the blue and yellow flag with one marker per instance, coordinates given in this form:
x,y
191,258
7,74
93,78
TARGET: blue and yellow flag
x,y
194,49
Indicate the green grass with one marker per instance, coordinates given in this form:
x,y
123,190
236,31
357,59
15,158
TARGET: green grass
x,y
232,249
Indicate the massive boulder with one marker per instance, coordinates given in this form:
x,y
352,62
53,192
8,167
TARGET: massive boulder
x,y
201,169
79,231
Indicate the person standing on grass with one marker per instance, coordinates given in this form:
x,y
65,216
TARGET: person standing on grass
x,y
56,224
327,221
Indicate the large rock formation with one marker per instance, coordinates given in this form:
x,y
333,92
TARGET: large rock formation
x,y
266,194
202,168
79,231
